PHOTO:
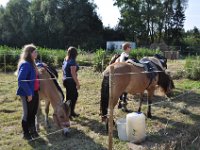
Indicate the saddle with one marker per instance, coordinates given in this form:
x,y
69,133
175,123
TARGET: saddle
x,y
148,66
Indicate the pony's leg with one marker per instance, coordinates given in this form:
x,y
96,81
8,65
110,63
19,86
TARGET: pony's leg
x,y
140,104
149,102
39,112
47,103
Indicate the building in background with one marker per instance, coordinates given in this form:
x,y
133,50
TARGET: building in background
x,y
117,45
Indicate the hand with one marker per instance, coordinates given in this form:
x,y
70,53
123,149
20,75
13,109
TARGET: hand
x,y
45,65
77,86
29,98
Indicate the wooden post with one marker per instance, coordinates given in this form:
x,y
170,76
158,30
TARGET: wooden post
x,y
5,63
110,110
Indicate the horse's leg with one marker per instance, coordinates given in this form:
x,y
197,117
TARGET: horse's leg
x,y
47,103
115,101
140,103
149,102
39,112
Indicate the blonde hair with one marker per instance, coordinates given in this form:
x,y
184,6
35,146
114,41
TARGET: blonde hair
x,y
26,55
126,45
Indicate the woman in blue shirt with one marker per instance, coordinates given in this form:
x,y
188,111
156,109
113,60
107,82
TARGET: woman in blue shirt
x,y
28,88
70,78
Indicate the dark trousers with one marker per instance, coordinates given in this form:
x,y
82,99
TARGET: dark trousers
x,y
71,92
29,111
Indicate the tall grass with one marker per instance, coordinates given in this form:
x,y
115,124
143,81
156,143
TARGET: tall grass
x,y
192,67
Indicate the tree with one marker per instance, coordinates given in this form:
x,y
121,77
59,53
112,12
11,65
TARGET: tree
x,y
178,23
147,20
82,26
16,21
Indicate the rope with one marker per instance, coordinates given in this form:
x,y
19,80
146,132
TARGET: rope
x,y
2,82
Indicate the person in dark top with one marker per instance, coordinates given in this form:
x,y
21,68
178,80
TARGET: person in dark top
x,y
70,78
28,87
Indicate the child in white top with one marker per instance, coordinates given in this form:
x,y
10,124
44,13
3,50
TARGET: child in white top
x,y
124,57
125,54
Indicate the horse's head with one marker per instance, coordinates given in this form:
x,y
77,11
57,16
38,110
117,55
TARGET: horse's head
x,y
61,116
166,83
55,96
162,60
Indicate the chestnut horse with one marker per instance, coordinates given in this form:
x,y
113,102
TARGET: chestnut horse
x,y
52,93
132,79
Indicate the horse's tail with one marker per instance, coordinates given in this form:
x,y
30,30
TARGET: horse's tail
x,y
104,96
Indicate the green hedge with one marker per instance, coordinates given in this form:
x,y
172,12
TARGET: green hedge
x,y
53,57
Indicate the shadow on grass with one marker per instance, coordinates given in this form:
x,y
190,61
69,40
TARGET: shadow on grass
x,y
75,140
95,126
176,132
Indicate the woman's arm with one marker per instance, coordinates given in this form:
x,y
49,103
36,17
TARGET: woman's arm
x,y
74,76
22,75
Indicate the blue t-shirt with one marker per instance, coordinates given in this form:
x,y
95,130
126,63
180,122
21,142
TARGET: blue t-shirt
x,y
66,68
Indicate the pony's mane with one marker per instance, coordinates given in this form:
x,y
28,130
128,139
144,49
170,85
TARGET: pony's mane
x,y
53,73
114,58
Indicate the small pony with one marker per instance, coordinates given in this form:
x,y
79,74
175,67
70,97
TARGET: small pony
x,y
52,93
133,79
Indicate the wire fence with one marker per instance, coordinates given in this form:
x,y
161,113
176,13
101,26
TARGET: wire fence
x,y
167,100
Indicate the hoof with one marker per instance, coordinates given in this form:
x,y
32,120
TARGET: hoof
x,y
149,115
48,125
66,131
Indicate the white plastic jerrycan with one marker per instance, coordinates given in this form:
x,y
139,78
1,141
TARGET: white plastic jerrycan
x,y
135,127
121,129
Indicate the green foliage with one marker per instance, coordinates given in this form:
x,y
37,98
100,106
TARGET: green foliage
x,y
51,23
53,57
192,68
162,19
142,52
99,60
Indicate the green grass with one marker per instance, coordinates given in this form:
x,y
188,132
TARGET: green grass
x,y
175,124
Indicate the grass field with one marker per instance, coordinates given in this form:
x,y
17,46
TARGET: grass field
x,y
175,123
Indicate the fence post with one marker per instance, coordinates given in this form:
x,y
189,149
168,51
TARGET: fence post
x,y
110,127
5,63
41,58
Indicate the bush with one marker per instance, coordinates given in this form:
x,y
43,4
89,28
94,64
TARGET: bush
x,y
99,60
142,52
192,68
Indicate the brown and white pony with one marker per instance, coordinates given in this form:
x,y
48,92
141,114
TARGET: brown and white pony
x,y
132,79
51,92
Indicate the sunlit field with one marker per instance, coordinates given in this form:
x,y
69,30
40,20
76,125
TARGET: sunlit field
x,y
175,123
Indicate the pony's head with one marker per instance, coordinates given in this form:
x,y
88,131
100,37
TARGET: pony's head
x,y
166,83
61,116
162,60
53,92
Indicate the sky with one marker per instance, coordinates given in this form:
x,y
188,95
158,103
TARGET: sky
x,y
109,14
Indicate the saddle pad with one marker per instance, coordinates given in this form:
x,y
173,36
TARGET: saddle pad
x,y
134,63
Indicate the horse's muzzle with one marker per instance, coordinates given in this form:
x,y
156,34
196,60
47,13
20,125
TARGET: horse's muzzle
x,y
66,124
